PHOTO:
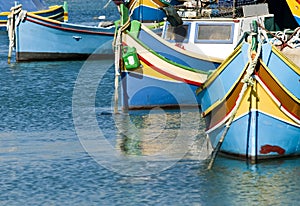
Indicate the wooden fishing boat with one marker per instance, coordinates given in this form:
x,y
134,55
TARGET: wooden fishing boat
x,y
150,80
145,89
170,51
39,38
57,12
251,103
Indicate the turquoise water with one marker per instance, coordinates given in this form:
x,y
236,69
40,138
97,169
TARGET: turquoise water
x,y
61,144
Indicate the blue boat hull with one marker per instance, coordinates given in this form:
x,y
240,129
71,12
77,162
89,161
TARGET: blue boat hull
x,y
140,91
258,139
40,39
156,81
256,119
148,14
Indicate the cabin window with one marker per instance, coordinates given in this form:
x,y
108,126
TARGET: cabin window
x,y
177,34
214,33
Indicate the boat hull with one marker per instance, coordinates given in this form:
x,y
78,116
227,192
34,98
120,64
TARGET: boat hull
x,y
42,39
157,82
144,92
149,10
149,14
262,121
252,137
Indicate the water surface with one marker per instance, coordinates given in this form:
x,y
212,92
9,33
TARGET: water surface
x,y
49,156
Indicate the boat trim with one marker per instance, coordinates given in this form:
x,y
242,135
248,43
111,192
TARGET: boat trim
x,y
59,25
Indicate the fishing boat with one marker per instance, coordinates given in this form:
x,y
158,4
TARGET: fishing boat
x,y
194,47
148,79
39,38
147,83
251,103
38,7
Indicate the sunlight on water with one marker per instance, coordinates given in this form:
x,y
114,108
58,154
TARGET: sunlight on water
x,y
155,157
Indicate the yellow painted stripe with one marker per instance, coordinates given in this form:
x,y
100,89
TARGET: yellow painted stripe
x,y
43,18
51,8
36,13
148,71
5,13
162,64
223,65
257,98
149,3
281,85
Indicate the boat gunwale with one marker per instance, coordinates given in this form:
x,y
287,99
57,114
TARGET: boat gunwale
x,y
268,90
164,58
190,80
212,77
60,25
285,59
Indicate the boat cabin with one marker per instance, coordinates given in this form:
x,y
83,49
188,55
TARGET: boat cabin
x,y
214,37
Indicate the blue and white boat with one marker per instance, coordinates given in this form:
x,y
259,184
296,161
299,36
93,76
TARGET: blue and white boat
x,y
251,103
151,84
39,38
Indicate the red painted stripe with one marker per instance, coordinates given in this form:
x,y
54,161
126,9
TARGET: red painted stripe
x,y
168,74
271,90
59,26
224,117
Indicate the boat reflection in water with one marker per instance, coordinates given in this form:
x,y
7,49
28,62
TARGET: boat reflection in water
x,y
167,135
260,184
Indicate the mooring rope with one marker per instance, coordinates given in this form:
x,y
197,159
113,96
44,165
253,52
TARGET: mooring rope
x,y
247,81
15,16
118,52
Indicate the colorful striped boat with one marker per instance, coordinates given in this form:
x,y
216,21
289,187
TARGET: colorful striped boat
x,y
148,79
170,51
251,103
39,38
57,12
145,88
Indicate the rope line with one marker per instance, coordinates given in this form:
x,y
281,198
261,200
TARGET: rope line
x,y
118,51
247,81
15,16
